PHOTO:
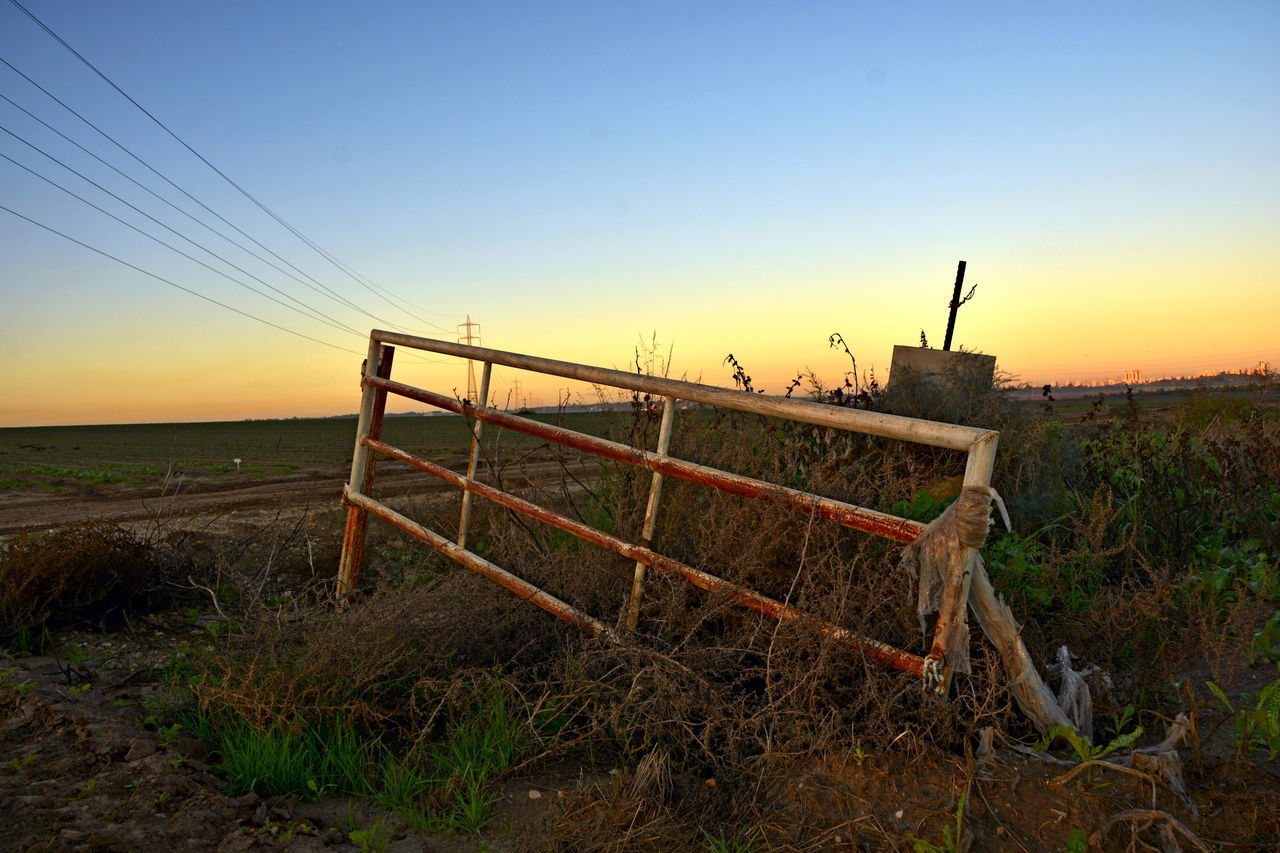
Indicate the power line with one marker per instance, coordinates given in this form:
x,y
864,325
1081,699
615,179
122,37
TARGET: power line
x,y
314,313
172,248
185,255
194,293
334,294
333,260
309,312
157,196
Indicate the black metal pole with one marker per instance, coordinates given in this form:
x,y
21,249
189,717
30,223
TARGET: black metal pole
x,y
955,305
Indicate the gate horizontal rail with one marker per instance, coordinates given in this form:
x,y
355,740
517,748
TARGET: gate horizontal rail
x,y
376,383
869,520
935,433
738,594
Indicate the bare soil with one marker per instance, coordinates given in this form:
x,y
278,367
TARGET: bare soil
x,y
80,771
84,768
319,489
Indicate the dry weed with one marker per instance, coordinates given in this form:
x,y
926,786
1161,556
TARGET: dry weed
x,y
95,572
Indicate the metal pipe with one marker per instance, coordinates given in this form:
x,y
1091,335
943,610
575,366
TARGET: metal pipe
x,y
651,512
932,433
860,518
498,575
353,535
955,305
464,520
353,540
750,599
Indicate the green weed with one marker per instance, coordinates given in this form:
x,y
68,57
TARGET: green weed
x,y
1084,749
477,748
169,734
401,784
375,838
951,834
1265,645
472,808
1219,566
483,744
1257,725
738,842
308,763
924,507
1033,569
29,640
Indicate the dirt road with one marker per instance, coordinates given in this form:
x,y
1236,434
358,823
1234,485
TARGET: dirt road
x,y
317,490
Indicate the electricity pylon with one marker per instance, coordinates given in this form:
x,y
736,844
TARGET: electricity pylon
x,y
465,336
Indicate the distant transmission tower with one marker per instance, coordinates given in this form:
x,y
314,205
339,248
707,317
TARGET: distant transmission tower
x,y
517,397
466,336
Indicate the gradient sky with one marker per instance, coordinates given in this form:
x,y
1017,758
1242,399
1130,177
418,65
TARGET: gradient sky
x,y
728,176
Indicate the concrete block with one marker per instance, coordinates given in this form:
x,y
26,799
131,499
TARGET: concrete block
x,y
968,367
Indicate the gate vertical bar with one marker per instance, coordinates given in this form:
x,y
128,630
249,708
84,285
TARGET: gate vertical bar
x,y
954,600
978,469
476,425
651,512
372,405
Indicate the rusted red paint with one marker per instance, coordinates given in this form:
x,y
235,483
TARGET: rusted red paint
x,y
896,658
353,534
519,586
860,518
952,602
386,358
352,551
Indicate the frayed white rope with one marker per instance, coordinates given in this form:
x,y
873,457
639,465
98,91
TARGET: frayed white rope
x,y
941,551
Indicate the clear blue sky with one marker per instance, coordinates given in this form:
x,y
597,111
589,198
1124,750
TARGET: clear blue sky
x,y
734,177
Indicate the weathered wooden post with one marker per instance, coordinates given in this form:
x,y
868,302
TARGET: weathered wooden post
x,y
956,302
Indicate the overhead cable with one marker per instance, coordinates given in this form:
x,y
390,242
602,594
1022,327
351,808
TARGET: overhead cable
x,y
306,310
326,293
333,293
194,293
326,255
173,248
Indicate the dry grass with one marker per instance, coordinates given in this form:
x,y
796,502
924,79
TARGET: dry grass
x,y
95,573
707,691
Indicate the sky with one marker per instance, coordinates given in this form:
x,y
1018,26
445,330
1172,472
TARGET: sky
x,y
586,178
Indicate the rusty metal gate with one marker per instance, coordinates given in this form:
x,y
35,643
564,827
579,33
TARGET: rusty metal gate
x,y
978,444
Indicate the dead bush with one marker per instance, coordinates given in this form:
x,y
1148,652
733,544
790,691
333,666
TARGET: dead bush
x,y
307,662
95,573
